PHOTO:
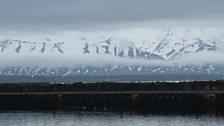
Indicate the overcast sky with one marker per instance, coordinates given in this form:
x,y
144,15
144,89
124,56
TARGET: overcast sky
x,y
101,14
96,20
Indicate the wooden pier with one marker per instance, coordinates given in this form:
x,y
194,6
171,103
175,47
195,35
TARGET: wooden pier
x,y
158,97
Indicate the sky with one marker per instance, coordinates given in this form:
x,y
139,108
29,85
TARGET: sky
x,y
86,15
96,20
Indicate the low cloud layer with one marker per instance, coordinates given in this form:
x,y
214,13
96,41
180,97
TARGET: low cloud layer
x,y
74,42
199,59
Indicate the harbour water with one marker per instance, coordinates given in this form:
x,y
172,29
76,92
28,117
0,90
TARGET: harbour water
x,y
104,119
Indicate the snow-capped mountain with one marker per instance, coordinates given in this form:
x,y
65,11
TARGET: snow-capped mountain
x,y
168,47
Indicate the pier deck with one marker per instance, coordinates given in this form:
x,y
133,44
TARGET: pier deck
x,y
159,97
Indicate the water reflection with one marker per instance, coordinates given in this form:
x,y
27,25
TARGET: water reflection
x,y
102,119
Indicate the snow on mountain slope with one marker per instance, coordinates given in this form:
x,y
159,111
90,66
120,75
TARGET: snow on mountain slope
x,y
170,46
112,70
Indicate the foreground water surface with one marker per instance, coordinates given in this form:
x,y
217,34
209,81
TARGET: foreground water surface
x,y
103,119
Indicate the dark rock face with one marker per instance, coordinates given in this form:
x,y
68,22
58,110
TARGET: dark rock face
x,y
20,46
86,48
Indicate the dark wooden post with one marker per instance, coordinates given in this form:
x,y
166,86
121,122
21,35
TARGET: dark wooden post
x,y
211,104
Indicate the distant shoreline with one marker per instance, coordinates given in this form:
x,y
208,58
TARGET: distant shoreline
x,y
109,78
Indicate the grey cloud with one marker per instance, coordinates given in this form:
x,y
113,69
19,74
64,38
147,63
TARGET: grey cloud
x,y
72,14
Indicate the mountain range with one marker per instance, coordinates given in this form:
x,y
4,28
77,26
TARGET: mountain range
x,y
169,47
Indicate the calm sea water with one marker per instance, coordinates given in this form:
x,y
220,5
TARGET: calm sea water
x,y
102,119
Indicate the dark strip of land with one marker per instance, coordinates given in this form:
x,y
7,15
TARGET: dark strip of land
x,y
113,86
